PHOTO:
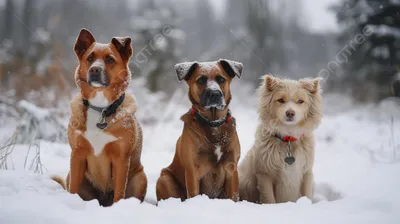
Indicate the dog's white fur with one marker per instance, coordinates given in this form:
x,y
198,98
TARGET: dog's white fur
x,y
264,177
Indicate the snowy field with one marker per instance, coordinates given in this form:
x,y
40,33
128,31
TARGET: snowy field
x,y
357,175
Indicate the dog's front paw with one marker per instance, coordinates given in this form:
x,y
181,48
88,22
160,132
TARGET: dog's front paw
x,y
235,197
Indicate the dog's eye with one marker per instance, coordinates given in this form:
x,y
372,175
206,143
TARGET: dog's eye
x,y
220,79
300,101
109,60
202,80
90,58
281,101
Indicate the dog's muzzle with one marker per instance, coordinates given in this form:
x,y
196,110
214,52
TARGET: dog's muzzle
x,y
97,76
290,115
212,98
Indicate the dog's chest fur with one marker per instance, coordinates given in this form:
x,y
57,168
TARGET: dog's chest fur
x,y
213,158
290,177
212,150
211,142
97,137
287,178
210,163
212,153
99,169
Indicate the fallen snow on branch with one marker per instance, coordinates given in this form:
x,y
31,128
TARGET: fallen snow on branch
x,y
385,30
35,111
39,123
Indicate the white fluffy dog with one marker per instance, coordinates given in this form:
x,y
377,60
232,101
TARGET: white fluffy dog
x,y
279,166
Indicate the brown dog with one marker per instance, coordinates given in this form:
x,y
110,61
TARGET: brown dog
x,y
104,135
208,150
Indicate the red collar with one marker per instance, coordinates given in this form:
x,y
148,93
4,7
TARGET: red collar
x,y
287,138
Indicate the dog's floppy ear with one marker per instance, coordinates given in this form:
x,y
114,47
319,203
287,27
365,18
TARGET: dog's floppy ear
x,y
84,40
312,85
233,68
271,82
185,69
124,46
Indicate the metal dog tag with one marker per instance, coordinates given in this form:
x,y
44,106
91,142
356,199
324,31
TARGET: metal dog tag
x,y
102,123
290,160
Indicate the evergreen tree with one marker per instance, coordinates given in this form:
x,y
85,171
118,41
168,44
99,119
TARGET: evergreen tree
x,y
7,20
265,29
371,41
206,25
156,37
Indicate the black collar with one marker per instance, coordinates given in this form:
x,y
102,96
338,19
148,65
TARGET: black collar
x,y
213,124
106,111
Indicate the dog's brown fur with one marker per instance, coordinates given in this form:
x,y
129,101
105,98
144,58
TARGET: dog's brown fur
x,y
116,172
264,176
196,168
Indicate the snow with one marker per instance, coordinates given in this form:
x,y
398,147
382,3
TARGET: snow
x,y
41,36
381,51
35,111
178,34
385,30
356,173
395,2
36,122
183,68
318,17
143,23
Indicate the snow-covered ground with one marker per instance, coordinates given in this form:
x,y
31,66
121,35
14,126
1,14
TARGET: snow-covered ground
x,y
355,159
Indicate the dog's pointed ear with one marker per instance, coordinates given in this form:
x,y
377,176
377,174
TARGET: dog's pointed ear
x,y
124,46
84,40
233,68
271,82
185,69
312,85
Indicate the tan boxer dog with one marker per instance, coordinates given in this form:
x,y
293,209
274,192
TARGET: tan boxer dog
x,y
103,132
208,150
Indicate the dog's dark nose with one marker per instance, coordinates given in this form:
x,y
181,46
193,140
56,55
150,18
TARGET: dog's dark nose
x,y
215,95
212,98
290,113
97,77
95,70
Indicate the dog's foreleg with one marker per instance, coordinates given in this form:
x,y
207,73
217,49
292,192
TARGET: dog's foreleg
x,y
120,168
307,185
77,171
192,183
265,186
232,182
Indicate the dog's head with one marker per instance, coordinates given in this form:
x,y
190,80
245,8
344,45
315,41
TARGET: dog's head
x,y
290,104
209,82
102,67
